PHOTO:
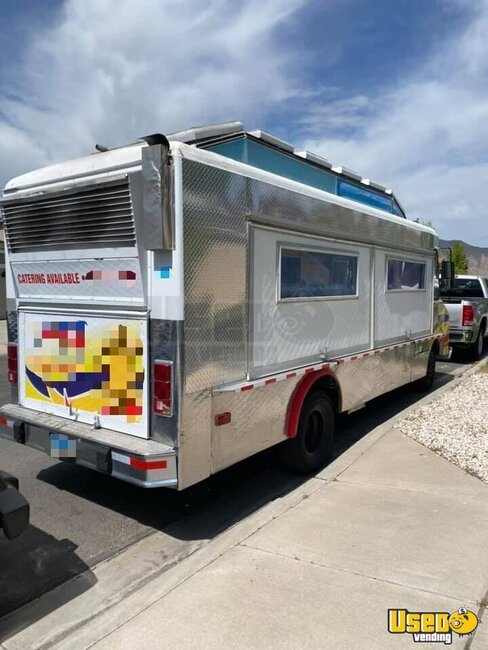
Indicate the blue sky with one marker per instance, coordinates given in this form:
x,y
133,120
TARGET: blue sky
x,y
395,90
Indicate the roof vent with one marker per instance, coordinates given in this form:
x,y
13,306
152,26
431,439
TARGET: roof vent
x,y
272,139
347,172
208,131
370,183
311,157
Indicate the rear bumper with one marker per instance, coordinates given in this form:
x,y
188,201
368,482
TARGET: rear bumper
x,y
463,336
143,462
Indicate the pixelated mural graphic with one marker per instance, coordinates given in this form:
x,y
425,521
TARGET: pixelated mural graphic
x,y
94,368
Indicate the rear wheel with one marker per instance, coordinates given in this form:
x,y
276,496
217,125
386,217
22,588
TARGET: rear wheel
x,y
477,347
312,446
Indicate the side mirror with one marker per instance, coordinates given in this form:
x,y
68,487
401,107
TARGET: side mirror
x,y
447,274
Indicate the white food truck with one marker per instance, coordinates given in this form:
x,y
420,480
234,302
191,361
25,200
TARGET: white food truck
x,y
178,304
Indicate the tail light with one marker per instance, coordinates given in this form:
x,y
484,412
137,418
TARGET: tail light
x,y
468,314
12,362
163,388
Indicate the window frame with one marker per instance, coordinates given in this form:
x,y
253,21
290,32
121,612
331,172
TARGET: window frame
x,y
312,249
394,258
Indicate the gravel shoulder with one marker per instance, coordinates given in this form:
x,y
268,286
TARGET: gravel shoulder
x,y
455,425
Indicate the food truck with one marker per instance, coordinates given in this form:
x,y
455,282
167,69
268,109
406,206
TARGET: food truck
x,y
183,302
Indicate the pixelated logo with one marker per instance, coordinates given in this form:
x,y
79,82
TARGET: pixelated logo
x,y
432,627
96,369
62,446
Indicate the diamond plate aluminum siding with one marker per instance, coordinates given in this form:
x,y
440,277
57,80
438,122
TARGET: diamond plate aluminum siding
x,y
216,207
214,230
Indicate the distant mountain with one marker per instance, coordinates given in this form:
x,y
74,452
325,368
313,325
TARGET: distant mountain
x,y
477,256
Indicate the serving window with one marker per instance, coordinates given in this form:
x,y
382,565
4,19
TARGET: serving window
x,y
405,275
309,274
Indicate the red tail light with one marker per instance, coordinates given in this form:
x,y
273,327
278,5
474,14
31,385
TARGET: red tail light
x,y
468,315
163,388
12,362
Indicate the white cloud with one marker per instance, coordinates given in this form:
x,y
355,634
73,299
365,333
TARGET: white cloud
x,y
426,136
110,71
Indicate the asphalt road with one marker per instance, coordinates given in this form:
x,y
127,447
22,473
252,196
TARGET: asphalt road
x,y
79,517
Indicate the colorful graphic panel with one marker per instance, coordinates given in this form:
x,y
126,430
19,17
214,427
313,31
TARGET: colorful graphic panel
x,y
89,365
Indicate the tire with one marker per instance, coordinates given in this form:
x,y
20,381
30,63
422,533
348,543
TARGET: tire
x,y
312,446
425,383
476,350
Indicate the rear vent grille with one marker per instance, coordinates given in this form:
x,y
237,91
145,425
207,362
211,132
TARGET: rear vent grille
x,y
96,217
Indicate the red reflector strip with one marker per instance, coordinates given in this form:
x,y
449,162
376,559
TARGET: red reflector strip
x,y
148,464
332,365
222,418
3,421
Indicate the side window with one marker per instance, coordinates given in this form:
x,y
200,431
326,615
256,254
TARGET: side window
x,y
405,275
312,274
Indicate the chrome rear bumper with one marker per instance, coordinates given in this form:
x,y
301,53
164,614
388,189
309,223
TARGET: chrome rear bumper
x,y
143,462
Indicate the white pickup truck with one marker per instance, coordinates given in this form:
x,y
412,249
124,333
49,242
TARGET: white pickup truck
x,y
467,303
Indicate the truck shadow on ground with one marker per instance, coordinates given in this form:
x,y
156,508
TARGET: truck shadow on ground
x,y
207,509
199,513
33,564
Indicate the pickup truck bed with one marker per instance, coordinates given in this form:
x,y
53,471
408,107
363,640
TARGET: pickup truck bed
x,y
467,304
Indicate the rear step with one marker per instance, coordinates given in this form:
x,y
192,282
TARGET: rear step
x,y
143,462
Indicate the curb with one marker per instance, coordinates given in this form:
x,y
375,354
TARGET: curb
x,y
90,616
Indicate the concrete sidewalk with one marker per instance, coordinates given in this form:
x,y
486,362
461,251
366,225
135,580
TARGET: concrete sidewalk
x,y
389,524
399,527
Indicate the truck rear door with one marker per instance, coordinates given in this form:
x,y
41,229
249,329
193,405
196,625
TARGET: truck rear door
x,y
82,305
85,367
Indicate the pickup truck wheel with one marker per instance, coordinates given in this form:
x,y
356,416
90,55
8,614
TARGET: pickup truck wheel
x,y
313,444
477,347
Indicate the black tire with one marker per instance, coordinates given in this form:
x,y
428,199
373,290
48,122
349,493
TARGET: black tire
x,y
476,350
313,444
425,383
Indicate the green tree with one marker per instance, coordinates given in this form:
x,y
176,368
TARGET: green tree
x,y
459,258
